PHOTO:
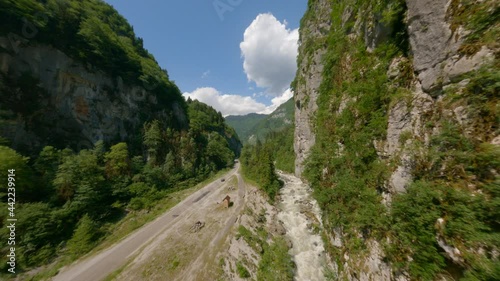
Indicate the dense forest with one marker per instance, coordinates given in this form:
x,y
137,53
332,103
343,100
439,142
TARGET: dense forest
x,y
69,198
244,124
66,199
260,161
253,127
280,119
270,148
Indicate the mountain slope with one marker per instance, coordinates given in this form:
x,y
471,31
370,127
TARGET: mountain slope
x,y
108,135
257,126
80,75
243,124
278,120
396,129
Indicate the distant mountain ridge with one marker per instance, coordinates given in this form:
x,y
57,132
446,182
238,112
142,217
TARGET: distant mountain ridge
x,y
255,126
243,124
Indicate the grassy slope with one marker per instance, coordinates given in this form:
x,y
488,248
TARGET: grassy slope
x,y
281,118
126,226
260,125
244,124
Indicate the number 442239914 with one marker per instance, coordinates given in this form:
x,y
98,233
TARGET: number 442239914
x,y
11,189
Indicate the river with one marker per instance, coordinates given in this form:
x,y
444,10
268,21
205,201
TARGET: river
x,y
298,211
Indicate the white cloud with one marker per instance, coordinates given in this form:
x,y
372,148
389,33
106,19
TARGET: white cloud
x,y
277,101
205,74
236,104
226,104
270,51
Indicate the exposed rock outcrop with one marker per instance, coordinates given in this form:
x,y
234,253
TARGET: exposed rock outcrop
x,y
59,101
432,76
257,217
435,46
309,77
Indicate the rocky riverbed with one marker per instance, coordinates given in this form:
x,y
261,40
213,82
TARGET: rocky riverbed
x,y
301,218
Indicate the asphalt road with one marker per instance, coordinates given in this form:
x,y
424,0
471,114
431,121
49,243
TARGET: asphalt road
x,y
100,265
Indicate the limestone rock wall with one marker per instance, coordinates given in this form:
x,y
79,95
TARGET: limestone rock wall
x,y
437,66
258,215
56,100
314,30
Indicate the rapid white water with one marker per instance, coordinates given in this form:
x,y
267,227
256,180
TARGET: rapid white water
x,y
308,249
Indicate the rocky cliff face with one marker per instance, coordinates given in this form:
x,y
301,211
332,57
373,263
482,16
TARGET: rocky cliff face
x,y
360,103
438,66
314,30
52,99
246,247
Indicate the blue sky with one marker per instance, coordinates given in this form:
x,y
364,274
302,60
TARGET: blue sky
x,y
204,45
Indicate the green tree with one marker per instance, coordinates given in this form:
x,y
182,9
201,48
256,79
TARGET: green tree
x,y
99,150
137,164
46,167
153,141
25,189
47,162
38,232
80,180
218,151
281,145
144,196
258,164
117,161
84,238
118,170
154,176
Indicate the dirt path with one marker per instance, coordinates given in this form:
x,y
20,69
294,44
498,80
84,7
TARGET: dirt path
x,y
141,244
197,269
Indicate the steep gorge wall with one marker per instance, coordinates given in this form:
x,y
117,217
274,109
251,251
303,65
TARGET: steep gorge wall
x,y
314,29
50,98
397,107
